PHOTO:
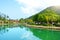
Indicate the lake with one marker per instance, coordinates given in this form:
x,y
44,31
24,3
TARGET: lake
x,y
26,33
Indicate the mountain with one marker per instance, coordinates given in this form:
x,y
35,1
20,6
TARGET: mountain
x,y
55,8
50,14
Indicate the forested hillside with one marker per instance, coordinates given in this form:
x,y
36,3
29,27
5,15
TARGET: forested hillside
x,y
50,15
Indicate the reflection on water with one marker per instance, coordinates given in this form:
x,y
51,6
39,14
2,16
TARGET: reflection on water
x,y
17,33
26,33
46,34
3,30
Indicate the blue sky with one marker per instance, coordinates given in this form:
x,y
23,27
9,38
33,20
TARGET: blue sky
x,y
17,9
11,8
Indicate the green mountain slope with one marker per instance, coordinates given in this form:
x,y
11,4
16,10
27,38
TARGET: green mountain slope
x,y
49,15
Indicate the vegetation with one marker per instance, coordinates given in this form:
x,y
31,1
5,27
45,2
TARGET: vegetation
x,y
3,17
46,17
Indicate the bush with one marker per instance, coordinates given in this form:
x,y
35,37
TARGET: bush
x,y
57,25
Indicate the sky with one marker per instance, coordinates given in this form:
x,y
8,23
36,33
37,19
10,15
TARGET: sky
x,y
17,9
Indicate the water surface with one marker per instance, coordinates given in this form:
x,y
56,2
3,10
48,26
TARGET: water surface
x,y
26,33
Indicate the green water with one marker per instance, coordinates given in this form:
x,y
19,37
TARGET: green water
x,y
26,33
45,34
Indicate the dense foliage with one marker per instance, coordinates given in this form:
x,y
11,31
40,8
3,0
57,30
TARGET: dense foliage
x,y
47,16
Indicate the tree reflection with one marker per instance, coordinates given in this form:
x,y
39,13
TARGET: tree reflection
x,y
3,29
45,34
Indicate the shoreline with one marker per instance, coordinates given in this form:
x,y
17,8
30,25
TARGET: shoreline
x,y
43,27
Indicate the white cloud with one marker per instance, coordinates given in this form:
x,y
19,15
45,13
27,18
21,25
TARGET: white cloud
x,y
31,3
27,10
32,6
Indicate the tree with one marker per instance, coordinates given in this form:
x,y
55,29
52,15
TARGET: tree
x,y
29,21
21,20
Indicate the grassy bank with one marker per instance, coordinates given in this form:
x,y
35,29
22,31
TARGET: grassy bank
x,y
41,27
